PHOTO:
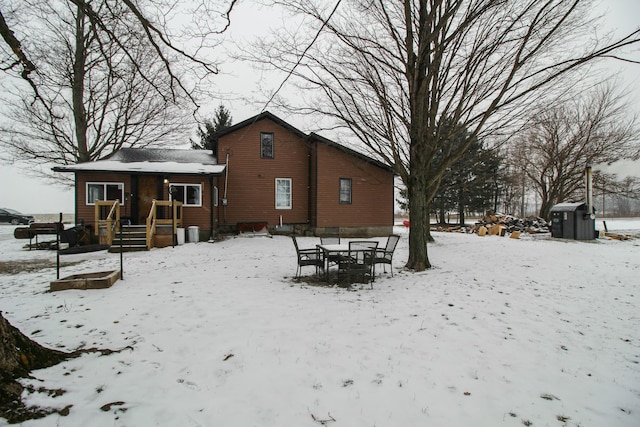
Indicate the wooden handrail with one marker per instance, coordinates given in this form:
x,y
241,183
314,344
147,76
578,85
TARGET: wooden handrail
x,y
111,222
151,224
153,221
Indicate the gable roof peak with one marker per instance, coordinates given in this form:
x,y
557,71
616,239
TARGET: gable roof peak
x,y
319,138
311,137
261,116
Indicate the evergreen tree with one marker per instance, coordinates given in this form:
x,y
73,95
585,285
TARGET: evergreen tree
x,y
221,120
470,183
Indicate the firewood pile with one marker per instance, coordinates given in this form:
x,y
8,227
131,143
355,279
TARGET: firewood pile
x,y
497,224
511,224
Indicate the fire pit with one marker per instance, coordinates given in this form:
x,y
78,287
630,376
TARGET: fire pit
x,y
99,280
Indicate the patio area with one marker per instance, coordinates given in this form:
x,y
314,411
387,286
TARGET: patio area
x,y
354,260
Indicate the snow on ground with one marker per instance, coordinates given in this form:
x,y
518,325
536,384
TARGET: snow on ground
x,y
501,332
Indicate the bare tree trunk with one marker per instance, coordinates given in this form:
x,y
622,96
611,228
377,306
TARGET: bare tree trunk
x,y
419,205
418,235
19,355
545,209
79,112
461,206
522,212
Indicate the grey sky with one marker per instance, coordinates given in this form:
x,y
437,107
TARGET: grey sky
x,y
27,194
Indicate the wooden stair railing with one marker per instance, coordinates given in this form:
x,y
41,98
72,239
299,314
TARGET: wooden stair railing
x,y
106,227
151,224
153,221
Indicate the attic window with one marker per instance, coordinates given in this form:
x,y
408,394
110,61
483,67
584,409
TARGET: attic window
x,y
266,145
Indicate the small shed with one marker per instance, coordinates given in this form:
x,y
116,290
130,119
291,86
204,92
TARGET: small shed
x,y
573,221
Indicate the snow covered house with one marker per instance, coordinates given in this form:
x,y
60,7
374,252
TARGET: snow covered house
x,y
264,172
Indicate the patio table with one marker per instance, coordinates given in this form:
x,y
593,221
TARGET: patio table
x,y
333,249
341,249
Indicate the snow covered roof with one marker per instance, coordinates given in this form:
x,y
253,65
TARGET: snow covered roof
x,y
153,160
568,207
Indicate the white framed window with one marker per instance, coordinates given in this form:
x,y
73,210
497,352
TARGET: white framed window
x,y
283,193
105,191
345,191
188,194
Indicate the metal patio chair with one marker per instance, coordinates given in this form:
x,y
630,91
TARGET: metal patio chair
x,y
307,257
358,262
384,255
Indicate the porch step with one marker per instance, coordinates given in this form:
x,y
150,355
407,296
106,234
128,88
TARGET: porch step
x,y
127,248
134,238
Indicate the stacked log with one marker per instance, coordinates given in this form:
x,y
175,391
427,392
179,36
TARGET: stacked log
x,y
496,224
510,224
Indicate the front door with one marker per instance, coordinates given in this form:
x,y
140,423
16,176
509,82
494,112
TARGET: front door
x,y
148,189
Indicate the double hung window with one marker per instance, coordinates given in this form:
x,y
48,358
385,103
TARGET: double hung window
x,y
188,194
283,193
104,191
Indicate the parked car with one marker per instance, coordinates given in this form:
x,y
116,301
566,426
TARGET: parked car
x,y
14,217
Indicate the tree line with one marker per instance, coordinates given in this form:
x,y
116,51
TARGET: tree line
x,y
546,163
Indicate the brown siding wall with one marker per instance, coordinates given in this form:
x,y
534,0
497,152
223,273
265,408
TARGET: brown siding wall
x,y
194,215
315,172
251,181
371,191
198,216
86,212
313,206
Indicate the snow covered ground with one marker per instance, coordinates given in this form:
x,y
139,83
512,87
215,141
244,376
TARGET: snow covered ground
x,y
501,332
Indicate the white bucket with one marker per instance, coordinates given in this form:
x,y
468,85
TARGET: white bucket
x,y
180,236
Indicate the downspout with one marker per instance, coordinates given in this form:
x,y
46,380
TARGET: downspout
x,y
309,188
211,205
226,182
393,200
589,189
75,199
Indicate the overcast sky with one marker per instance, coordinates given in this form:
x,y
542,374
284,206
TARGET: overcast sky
x,y
24,193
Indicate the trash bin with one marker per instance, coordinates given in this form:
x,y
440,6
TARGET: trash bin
x,y
180,236
193,233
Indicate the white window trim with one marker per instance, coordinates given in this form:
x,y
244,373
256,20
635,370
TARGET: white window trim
x,y
290,180
104,190
184,191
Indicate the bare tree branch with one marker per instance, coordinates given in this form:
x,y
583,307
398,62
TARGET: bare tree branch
x,y
591,129
406,65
